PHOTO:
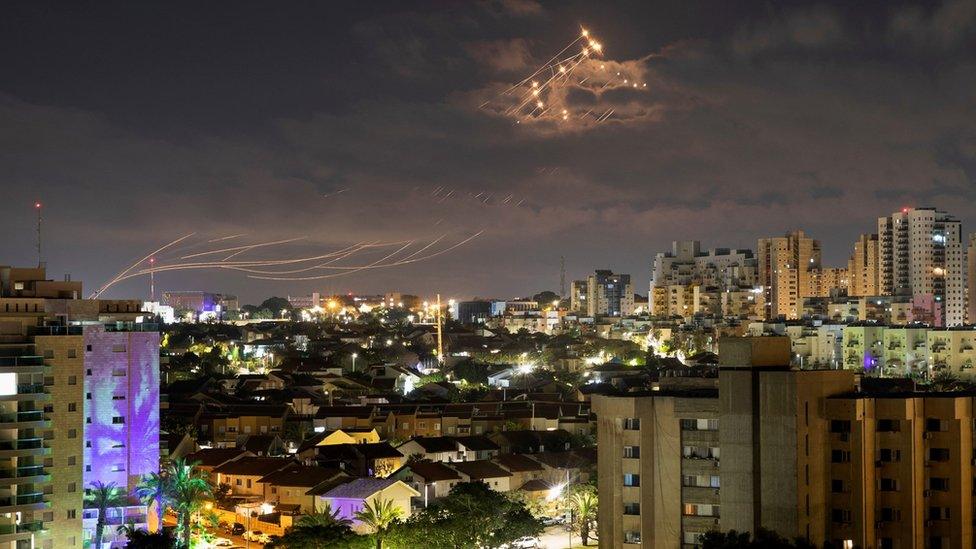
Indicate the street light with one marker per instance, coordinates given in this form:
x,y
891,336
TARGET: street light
x,y
354,355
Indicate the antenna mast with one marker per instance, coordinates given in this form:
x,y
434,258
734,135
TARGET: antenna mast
x,y
562,277
440,340
37,207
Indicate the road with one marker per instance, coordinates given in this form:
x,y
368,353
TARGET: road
x,y
557,537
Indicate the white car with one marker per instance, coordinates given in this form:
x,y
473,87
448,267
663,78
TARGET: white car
x,y
222,542
525,543
256,536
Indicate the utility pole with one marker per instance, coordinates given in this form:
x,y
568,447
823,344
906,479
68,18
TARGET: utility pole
x,y
152,279
37,207
440,335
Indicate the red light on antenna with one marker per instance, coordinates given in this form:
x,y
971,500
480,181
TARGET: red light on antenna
x,y
37,205
905,210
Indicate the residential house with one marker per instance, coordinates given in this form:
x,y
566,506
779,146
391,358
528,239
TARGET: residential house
x,y
244,475
485,471
531,442
477,447
432,479
522,467
350,498
365,460
439,449
208,459
262,445
291,488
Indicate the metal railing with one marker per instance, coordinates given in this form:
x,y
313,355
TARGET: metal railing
x,y
22,444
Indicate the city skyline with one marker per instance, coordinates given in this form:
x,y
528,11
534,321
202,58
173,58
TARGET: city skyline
x,y
348,124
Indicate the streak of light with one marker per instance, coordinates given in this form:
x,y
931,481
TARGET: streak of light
x,y
246,247
221,239
394,264
138,262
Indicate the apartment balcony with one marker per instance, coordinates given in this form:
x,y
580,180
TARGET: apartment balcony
x,y
694,466
33,446
24,420
27,391
56,330
23,503
23,531
31,474
709,438
700,494
22,364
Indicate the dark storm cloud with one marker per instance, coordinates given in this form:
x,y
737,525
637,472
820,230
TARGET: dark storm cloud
x,y
819,116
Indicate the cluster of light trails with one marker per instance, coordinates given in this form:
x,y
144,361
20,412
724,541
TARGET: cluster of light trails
x,y
173,256
541,95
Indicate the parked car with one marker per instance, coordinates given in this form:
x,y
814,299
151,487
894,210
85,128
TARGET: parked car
x,y
222,542
552,521
257,536
238,529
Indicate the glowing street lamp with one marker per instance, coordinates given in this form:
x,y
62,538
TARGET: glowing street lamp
x,y
354,355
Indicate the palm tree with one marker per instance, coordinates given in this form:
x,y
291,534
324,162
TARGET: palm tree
x,y
379,515
152,489
187,490
103,497
584,504
325,517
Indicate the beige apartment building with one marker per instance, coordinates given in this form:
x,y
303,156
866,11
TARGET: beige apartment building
x,y
901,469
43,406
804,453
787,266
863,267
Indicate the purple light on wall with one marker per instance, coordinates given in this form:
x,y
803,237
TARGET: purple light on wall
x,y
869,362
122,438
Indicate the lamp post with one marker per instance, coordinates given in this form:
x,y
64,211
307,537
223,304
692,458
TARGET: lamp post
x,y
354,355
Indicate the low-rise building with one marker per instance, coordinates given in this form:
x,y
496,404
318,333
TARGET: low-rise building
x,y
350,498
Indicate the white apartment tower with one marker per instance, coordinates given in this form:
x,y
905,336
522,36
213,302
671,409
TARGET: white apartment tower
x,y
920,253
609,294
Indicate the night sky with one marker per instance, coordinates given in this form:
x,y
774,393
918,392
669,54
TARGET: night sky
x,y
353,121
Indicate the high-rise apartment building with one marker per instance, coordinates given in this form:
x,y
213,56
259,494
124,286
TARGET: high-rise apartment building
x,y
971,279
82,404
920,253
722,268
676,464
804,453
788,267
577,296
687,280
862,267
609,294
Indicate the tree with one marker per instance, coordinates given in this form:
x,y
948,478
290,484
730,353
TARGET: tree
x,y
188,490
276,305
472,515
141,539
152,488
379,515
103,497
222,495
583,501
325,517
764,539
321,536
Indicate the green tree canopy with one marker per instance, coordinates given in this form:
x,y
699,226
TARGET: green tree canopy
x,y
472,515
764,539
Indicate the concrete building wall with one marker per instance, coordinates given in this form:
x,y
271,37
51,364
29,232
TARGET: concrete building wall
x,y
65,356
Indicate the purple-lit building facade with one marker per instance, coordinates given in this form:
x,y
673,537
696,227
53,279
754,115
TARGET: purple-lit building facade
x,y
121,412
